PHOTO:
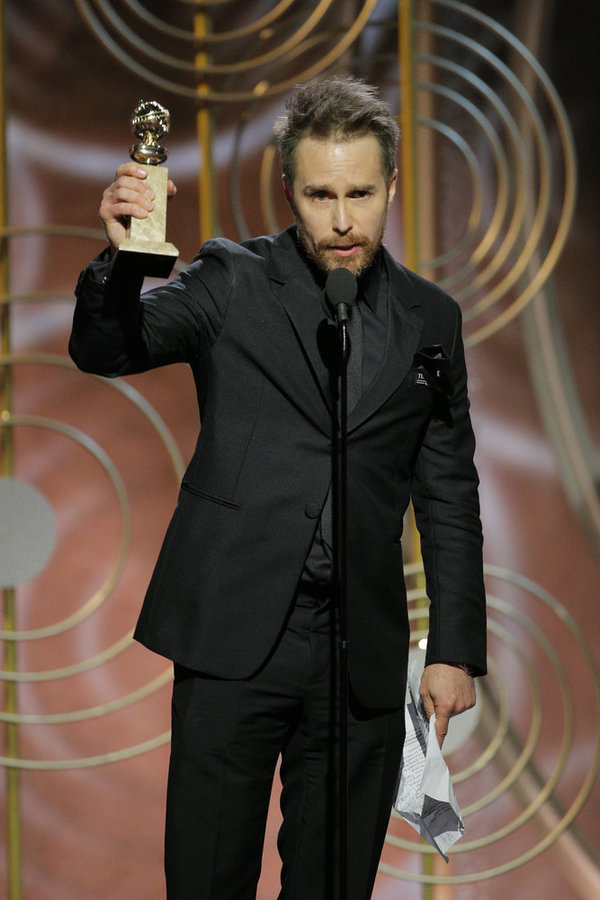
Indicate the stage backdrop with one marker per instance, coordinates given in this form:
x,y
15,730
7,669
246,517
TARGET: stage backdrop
x,y
498,203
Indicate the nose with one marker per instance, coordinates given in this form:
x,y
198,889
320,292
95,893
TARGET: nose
x,y
341,219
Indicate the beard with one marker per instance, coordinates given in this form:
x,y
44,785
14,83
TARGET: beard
x,y
322,253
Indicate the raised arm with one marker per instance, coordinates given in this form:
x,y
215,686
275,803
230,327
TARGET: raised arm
x,y
119,331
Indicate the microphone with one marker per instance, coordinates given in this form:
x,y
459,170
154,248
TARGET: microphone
x,y
341,289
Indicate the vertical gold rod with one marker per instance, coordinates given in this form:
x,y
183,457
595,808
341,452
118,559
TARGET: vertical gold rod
x,y
410,218
204,128
11,751
5,380
11,735
408,143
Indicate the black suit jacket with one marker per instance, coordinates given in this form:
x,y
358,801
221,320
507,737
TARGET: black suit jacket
x,y
246,319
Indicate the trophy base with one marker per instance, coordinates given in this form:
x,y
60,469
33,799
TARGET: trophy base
x,y
152,258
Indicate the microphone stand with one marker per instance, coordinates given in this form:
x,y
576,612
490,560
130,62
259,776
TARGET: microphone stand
x,y
340,293
340,568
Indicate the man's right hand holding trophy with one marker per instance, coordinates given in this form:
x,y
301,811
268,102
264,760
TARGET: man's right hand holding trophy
x,y
133,208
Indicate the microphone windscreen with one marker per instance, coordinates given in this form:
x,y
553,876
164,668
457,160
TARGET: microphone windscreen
x,y
341,287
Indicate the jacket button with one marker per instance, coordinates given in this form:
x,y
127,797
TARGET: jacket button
x,y
312,510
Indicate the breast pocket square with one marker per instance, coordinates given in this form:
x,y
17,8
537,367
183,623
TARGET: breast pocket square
x,y
433,369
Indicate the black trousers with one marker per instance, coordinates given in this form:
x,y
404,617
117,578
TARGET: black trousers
x,y
227,738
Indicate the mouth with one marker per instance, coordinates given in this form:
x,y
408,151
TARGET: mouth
x,y
346,251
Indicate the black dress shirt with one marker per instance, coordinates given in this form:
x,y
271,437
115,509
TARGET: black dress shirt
x,y
373,299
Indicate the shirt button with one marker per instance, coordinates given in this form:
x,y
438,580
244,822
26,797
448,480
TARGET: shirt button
x,y
312,510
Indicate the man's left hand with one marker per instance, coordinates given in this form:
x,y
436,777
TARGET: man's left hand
x,y
446,690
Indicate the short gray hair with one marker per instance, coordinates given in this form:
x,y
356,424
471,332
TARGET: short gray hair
x,y
337,107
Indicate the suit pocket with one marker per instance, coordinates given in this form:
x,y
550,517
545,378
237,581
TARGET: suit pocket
x,y
198,492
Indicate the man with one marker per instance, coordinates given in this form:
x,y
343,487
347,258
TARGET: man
x,y
243,598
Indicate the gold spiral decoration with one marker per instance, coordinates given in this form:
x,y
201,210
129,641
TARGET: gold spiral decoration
x,y
533,709
287,32
522,187
13,422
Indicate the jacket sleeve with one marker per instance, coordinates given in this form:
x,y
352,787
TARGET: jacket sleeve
x,y
117,331
446,503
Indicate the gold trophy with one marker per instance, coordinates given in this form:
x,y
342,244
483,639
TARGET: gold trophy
x,y
144,249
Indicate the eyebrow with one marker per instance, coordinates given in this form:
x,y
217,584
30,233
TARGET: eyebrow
x,y
312,187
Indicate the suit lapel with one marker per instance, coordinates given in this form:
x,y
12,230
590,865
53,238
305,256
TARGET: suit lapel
x,y
294,288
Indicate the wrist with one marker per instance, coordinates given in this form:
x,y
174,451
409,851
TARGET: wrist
x,y
468,670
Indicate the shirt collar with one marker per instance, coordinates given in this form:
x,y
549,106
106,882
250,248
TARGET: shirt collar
x,y
372,285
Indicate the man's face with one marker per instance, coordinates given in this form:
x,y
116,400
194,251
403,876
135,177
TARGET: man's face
x,y
340,200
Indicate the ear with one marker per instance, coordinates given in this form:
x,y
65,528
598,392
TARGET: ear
x,y
392,187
